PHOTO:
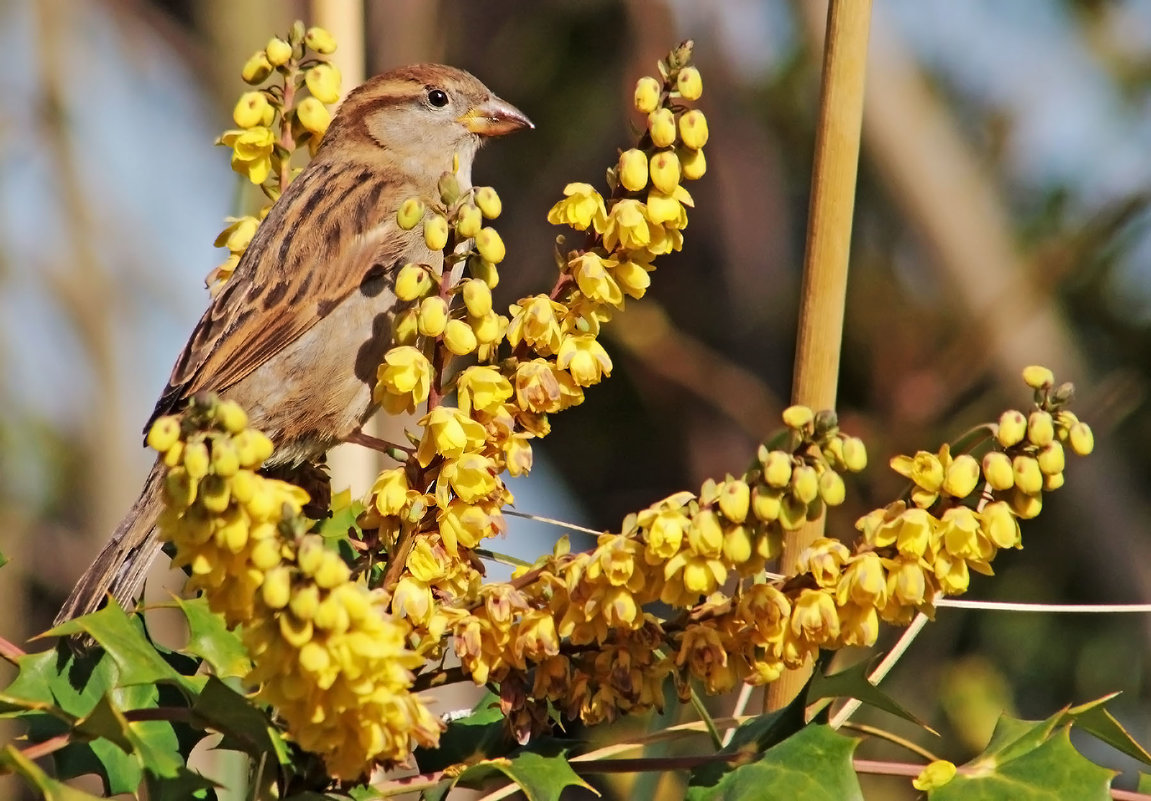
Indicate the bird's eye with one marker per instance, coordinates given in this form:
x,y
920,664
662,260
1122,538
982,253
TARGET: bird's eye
x,y
438,98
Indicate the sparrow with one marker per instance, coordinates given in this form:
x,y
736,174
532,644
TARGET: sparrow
x,y
297,332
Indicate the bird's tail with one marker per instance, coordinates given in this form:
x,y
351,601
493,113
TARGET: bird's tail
x,y
121,567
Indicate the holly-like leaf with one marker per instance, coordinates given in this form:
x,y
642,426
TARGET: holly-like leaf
x,y
541,775
48,788
1093,717
1051,770
480,735
212,641
122,637
853,683
812,765
245,727
183,784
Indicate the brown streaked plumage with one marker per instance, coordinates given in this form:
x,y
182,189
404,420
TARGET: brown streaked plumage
x,y
298,331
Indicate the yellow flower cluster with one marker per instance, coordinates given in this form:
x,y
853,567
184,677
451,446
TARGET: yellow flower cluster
x,y
261,147
325,653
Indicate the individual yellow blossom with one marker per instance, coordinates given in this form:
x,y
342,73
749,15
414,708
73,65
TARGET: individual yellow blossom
x,y
628,226
1040,428
1012,428
668,209
257,68
313,115
584,358
831,488
469,221
661,127
734,498
962,536
1028,476
251,152
633,169
323,82
541,387
647,91
632,276
703,652
471,476
488,201
433,316
952,573
1038,377
997,470
926,471
320,40
413,282
237,236
410,213
465,524
665,534
805,483
592,275
436,232
858,625
477,297
518,455
689,575
406,327
962,476
448,432
1081,439
823,559
1052,481
692,162
906,583
1051,459
1000,526
693,129
459,338
854,454
403,379
581,208
535,322
689,83
934,776
814,617
390,491
798,417
412,599
863,581
490,245
250,110
278,52
483,389
1026,504
665,171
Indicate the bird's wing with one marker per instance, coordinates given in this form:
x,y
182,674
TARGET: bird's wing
x,y
285,283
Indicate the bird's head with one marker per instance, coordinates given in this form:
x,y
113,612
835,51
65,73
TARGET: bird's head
x,y
419,117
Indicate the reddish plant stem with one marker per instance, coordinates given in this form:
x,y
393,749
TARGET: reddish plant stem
x,y
10,652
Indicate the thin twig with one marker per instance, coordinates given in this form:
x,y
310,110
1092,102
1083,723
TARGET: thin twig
x,y
552,522
882,734
10,652
1013,606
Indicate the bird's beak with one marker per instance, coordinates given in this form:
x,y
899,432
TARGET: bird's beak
x,y
495,117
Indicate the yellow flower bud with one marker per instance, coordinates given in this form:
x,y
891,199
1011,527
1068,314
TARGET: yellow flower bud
x,y
962,476
665,171
483,270
214,494
477,298
1052,481
934,776
1026,505
469,221
831,488
413,282
766,503
661,125
998,471
435,232
276,590
805,483
225,459
1051,459
490,245
1081,439
1038,377
1028,476
406,327
313,115
633,169
798,417
777,469
689,83
646,94
320,40
164,433
253,447
1012,428
304,602
333,572
196,459
433,316
231,416
310,554
692,163
854,454
1040,428
489,328
410,213
489,202
278,52
249,110
735,500
323,81
693,129
459,338
256,68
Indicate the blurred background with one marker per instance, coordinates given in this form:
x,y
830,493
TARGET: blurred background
x,y
1001,220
